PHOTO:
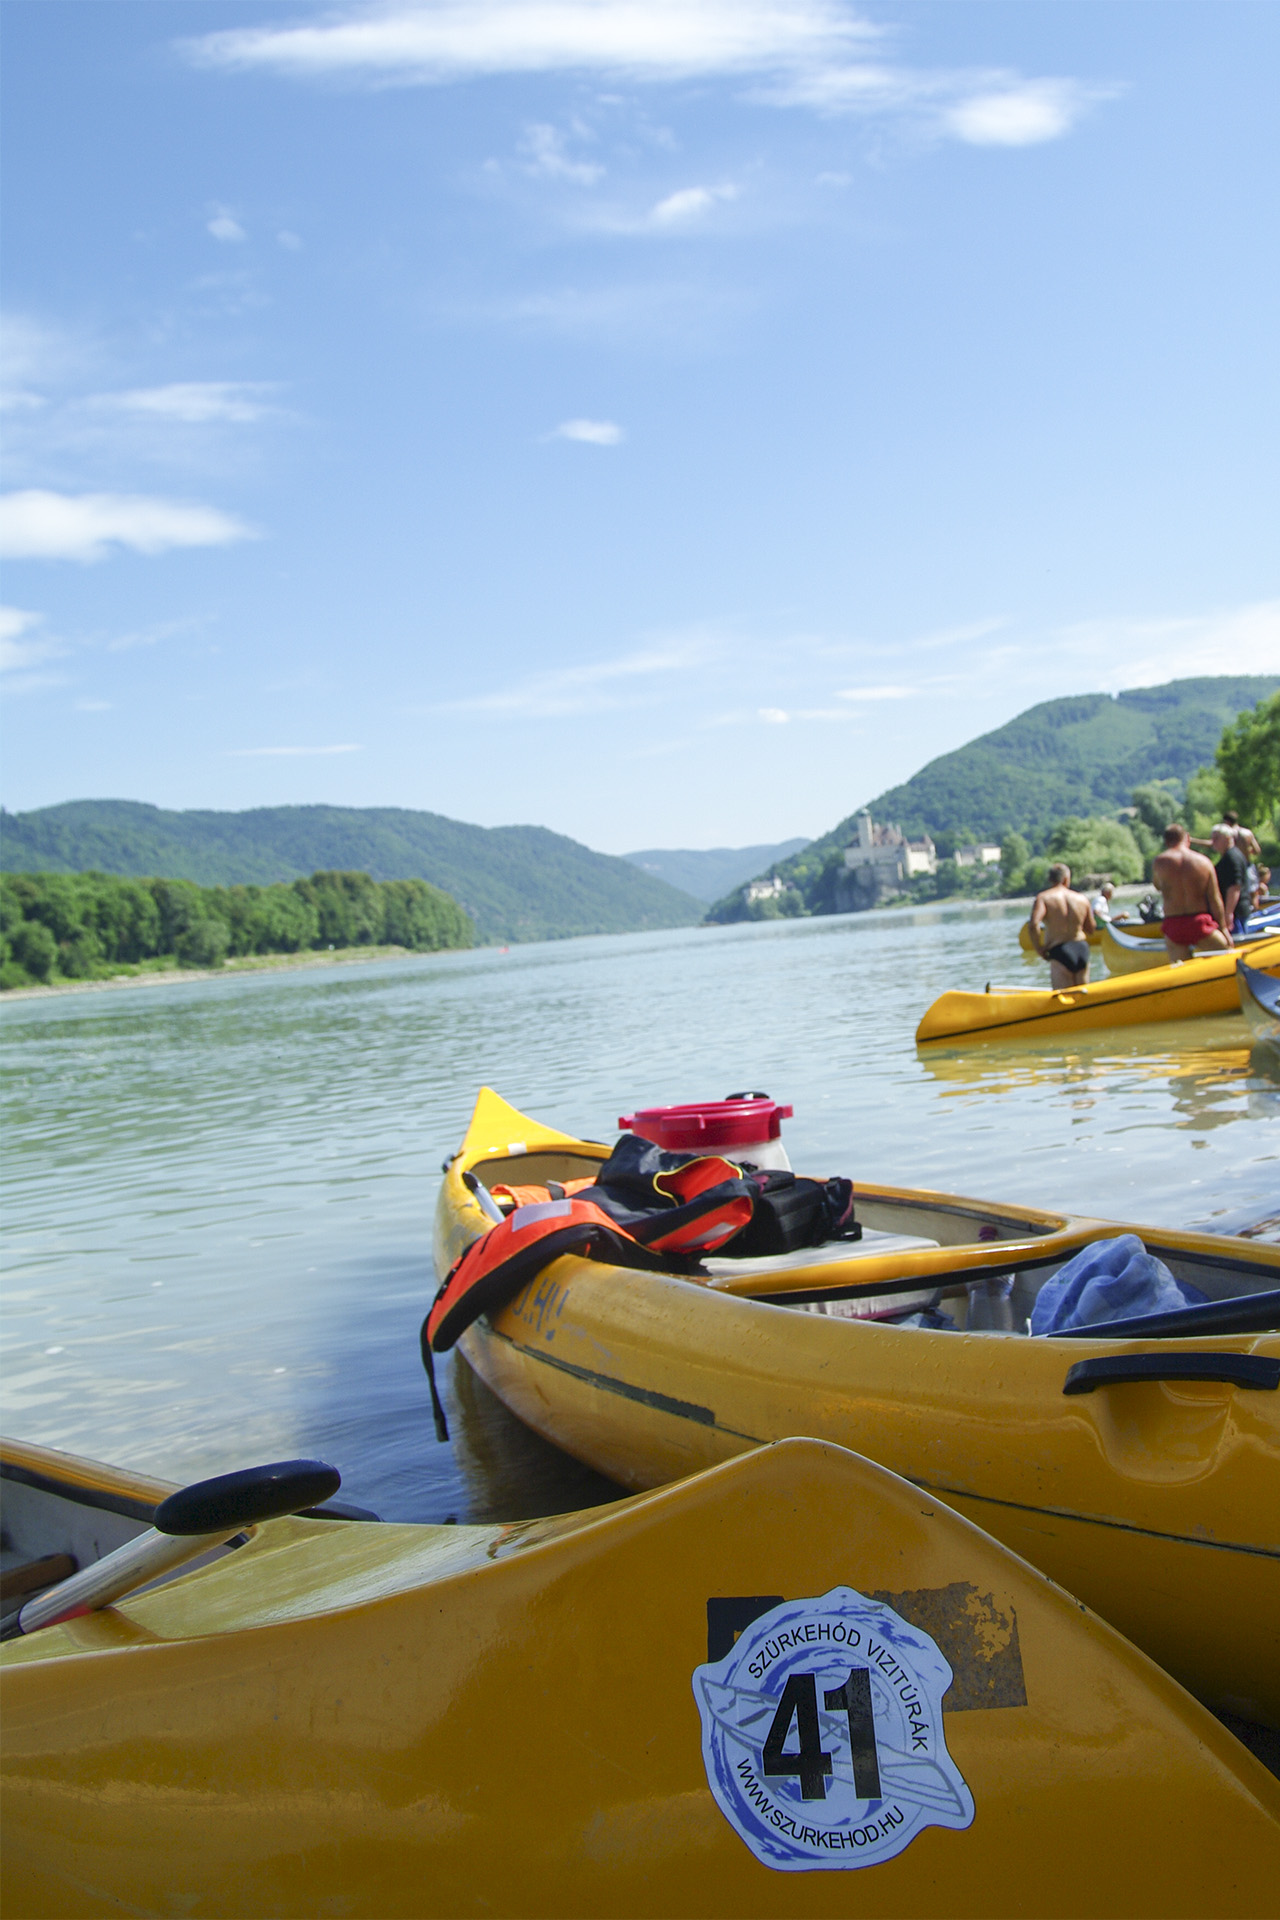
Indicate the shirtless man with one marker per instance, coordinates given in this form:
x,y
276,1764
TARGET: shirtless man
x,y
1061,922
1193,913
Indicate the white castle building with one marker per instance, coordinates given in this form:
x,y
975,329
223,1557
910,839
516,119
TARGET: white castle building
x,y
881,858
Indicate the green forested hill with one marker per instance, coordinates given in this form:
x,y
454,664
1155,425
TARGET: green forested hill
x,y
1083,755
708,872
517,883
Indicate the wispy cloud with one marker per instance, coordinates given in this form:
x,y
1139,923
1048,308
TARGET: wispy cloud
x,y
17,650
39,525
688,205
149,636
875,693
596,685
191,402
815,54
546,155
224,226
684,312
1119,653
468,39
288,753
592,433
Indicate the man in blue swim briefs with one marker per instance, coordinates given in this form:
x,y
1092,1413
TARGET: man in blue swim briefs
x,y
1061,922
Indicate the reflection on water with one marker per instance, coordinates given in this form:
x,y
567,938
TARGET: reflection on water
x,y
218,1196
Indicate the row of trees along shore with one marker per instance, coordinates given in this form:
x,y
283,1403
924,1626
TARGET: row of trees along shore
x,y
86,926
1120,847
1245,774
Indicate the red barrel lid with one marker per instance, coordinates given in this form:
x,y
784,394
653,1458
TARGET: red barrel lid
x,y
736,1122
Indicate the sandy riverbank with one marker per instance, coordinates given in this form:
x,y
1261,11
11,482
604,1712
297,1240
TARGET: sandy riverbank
x,y
248,963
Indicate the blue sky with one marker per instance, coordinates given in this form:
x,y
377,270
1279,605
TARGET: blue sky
x,y
670,423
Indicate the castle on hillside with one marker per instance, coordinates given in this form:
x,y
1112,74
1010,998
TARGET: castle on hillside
x,y
878,862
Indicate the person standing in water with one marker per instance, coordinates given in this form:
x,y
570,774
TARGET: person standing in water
x,y
1193,912
1061,922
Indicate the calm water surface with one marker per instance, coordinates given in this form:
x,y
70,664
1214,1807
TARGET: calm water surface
x,y
218,1196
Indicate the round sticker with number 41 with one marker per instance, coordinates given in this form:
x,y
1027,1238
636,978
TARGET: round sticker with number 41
x,y
822,1734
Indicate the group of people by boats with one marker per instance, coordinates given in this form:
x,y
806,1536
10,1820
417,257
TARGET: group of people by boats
x,y
1206,904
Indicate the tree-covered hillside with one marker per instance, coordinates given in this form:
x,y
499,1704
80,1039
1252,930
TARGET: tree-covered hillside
x,y
1082,756
89,926
517,883
708,872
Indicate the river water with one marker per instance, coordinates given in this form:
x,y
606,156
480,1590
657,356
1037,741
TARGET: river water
x,y
218,1195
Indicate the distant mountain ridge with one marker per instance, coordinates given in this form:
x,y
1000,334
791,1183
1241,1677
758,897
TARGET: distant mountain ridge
x,y
1081,755
707,873
517,883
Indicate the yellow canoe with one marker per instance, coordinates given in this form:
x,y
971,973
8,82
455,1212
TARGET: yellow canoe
x,y
1156,1500
604,1714
1125,953
1188,988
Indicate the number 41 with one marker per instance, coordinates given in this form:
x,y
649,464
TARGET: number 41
x,y
799,1702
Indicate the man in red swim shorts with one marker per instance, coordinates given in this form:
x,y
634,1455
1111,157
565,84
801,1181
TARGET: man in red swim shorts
x,y
1194,919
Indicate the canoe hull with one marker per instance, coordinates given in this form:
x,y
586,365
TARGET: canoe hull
x,y
955,1424
1126,1496
1184,991
514,1729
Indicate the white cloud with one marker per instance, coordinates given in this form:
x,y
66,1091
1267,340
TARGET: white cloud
x,y
17,653
547,156
224,226
466,39
814,54
38,525
776,716
287,753
1020,115
291,242
593,433
93,706
688,204
194,402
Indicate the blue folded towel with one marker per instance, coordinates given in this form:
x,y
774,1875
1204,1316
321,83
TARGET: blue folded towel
x,y
1110,1280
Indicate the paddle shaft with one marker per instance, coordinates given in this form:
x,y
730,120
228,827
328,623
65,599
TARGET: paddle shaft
x,y
129,1567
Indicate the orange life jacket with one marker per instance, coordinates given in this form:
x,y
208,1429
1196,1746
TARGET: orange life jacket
x,y
495,1267
712,1202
